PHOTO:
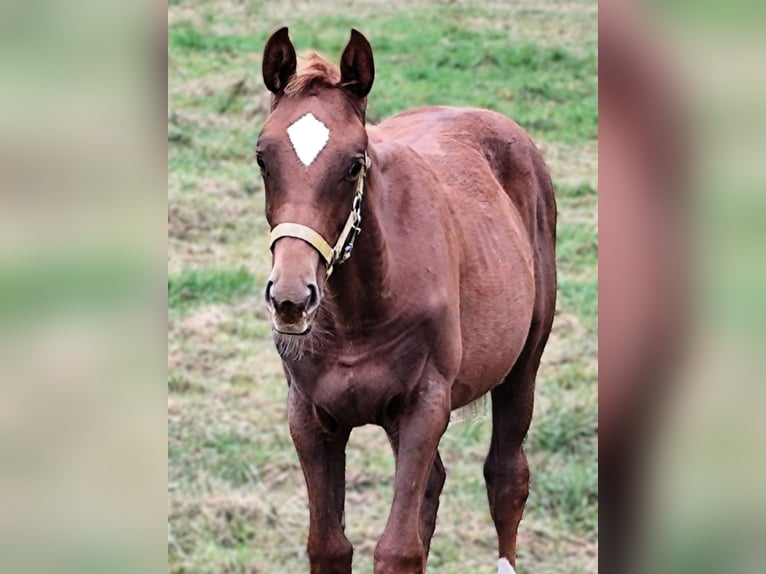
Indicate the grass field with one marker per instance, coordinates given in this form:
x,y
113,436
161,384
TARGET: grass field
x,y
237,501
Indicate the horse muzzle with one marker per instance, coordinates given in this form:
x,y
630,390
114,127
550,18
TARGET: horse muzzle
x,y
292,307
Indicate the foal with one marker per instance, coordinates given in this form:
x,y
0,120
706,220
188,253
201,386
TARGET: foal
x,y
413,272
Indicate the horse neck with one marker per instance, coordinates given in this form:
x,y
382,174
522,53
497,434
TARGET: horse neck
x,y
360,288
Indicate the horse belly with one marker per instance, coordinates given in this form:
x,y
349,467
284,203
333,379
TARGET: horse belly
x,y
497,301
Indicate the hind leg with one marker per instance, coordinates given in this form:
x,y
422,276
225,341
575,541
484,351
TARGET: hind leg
x,y
506,470
430,505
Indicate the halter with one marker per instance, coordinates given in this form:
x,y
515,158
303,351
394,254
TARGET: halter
x,y
342,250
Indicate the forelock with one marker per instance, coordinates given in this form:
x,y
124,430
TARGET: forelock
x,y
314,71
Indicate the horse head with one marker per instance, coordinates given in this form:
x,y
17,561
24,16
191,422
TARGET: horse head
x,y
312,156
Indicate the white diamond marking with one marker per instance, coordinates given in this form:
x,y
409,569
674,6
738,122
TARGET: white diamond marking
x,y
308,136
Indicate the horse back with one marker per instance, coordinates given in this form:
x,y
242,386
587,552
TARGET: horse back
x,y
438,132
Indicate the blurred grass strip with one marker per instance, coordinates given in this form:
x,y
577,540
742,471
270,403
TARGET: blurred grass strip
x,y
42,286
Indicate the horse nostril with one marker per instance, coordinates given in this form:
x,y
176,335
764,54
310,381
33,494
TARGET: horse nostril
x,y
290,302
313,300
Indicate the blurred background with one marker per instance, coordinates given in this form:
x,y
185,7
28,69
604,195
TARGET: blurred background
x,y
82,302
681,272
99,463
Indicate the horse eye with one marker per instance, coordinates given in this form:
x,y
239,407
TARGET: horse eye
x,y
261,164
353,171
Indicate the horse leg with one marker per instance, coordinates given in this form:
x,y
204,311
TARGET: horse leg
x,y
322,454
506,471
402,548
430,503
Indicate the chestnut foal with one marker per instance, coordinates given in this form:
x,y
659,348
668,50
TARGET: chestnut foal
x,y
413,271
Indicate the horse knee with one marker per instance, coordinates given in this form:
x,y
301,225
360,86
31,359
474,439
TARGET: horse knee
x,y
393,557
330,555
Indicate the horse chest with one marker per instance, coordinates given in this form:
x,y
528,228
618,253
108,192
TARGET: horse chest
x,y
356,388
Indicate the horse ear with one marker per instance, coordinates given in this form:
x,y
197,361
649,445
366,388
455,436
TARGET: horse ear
x,y
357,68
278,61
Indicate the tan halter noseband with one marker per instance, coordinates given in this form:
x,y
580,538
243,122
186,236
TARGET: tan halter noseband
x,y
345,244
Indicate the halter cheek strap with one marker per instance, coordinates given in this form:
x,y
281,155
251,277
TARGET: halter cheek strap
x,y
345,244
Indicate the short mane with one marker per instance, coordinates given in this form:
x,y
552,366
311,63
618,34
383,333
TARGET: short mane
x,y
314,70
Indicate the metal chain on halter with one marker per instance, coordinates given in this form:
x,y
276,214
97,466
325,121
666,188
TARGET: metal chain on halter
x,y
356,212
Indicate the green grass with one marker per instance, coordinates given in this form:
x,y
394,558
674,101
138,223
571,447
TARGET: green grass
x,y
583,189
427,59
200,286
237,497
186,38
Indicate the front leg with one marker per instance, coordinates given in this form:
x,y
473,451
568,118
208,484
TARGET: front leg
x,y
430,505
322,453
424,418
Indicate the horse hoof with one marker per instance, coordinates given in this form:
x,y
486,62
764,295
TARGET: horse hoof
x,y
504,567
